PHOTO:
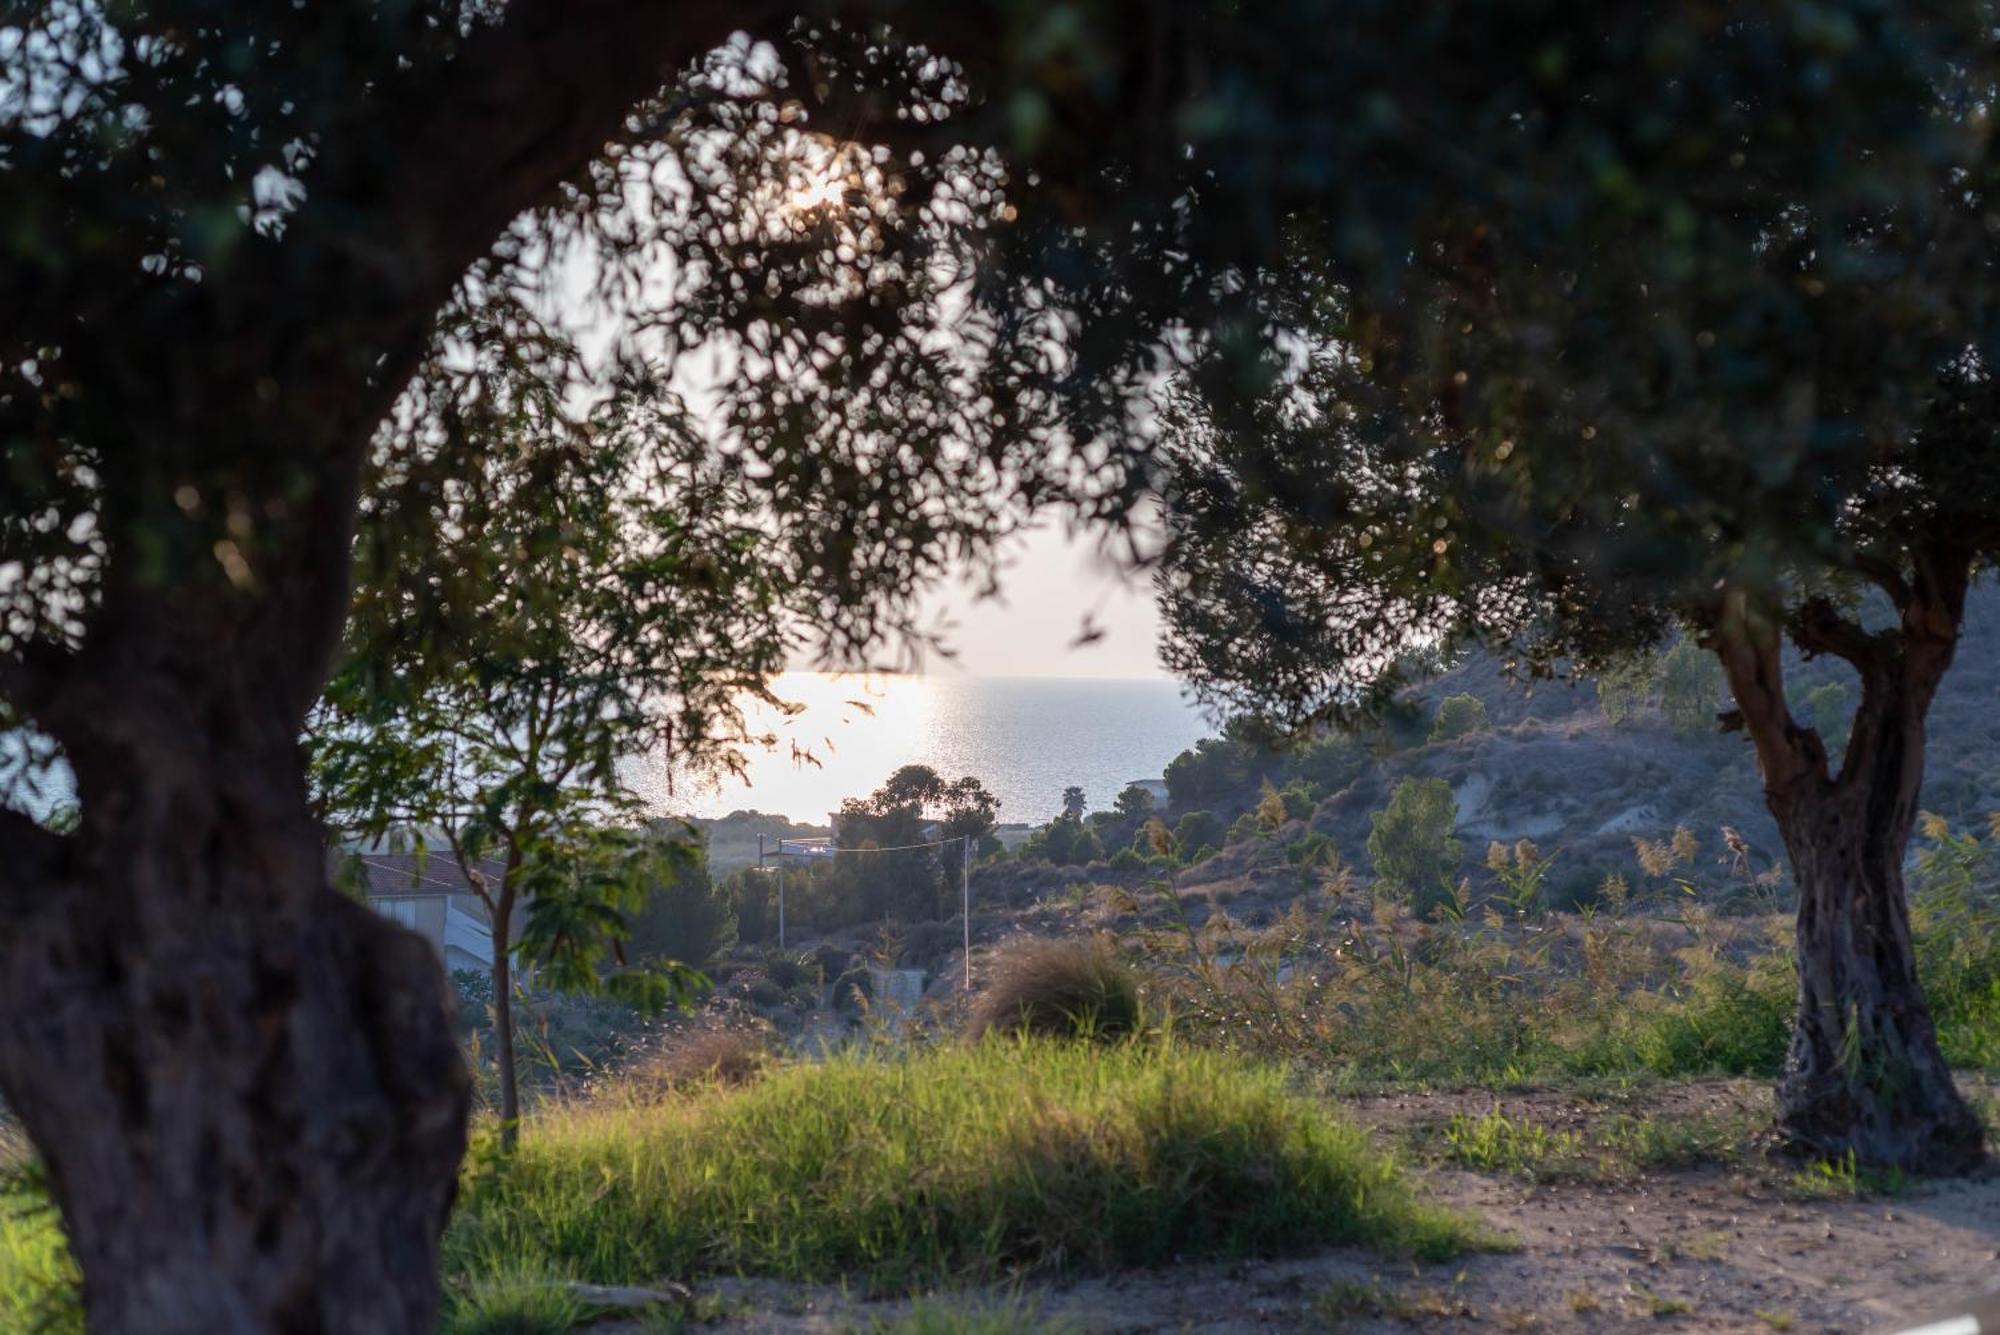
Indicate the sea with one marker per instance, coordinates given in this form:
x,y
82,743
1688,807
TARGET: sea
x,y
1025,738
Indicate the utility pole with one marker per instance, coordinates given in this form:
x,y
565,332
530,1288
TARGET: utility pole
x,y
965,900
779,872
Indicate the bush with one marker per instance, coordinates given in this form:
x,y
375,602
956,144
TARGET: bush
x,y
1066,842
1625,688
1410,841
686,918
1828,708
939,1164
1325,765
709,1055
1198,828
1057,988
1127,859
789,971
1690,689
1218,771
1458,716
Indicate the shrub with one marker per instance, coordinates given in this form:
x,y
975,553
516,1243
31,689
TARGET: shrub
x,y
1198,828
1625,688
944,1163
1410,841
1134,802
1057,988
1326,764
1068,842
853,990
1217,770
1458,716
1827,706
686,918
710,1055
1127,859
1690,689
788,971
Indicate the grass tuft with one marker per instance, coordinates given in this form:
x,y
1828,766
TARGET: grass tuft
x,y
1057,988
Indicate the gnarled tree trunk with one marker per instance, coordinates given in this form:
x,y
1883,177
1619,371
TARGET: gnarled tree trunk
x,y
244,1086
1864,1074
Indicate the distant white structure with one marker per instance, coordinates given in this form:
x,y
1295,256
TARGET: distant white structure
x,y
463,940
896,991
432,898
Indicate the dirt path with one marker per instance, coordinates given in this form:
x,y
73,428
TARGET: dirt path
x,y
1730,1248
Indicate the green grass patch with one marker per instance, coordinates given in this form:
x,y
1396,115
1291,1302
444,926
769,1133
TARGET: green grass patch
x,y
38,1281
936,1316
892,1171
941,1164
1609,1148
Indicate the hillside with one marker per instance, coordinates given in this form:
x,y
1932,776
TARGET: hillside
x,y
1551,768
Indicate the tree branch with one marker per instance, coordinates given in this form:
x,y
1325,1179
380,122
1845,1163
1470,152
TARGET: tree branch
x,y
1748,644
1885,575
1818,627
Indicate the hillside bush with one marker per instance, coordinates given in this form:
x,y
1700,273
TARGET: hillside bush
x,y
1625,689
1065,842
1458,716
1198,829
1829,708
1410,842
1219,771
1057,988
1325,765
1690,689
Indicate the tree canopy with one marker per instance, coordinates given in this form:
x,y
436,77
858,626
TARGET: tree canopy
x,y
1703,342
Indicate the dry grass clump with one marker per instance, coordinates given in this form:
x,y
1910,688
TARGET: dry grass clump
x,y
720,1054
1063,989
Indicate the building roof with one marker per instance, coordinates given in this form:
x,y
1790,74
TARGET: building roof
x,y
405,873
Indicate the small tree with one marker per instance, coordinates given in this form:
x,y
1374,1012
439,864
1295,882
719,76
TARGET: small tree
x,y
1068,842
686,917
1459,716
1410,841
1134,802
1625,688
1691,689
605,602
1074,803
931,822
1830,708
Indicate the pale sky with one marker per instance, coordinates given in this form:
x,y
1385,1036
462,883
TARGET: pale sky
x,y
1045,594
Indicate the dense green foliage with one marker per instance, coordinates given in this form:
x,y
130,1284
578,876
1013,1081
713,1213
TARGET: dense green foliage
x,y
1625,687
1458,716
1411,842
1691,689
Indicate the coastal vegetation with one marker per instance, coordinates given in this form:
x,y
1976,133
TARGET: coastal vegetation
x,y
371,458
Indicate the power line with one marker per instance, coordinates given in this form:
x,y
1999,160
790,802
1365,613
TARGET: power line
x,y
964,841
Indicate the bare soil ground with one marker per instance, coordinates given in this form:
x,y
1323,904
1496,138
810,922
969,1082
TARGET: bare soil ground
x,y
1742,1242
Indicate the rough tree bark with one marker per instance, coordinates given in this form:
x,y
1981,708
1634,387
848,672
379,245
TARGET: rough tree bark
x,y
244,1086
1864,1073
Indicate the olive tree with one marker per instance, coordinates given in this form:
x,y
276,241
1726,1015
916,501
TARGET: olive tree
x,y
1697,337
